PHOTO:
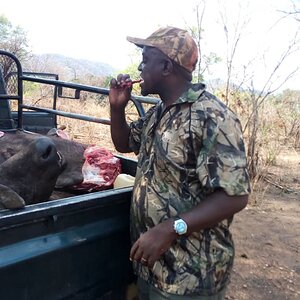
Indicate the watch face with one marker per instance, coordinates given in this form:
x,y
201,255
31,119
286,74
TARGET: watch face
x,y
180,227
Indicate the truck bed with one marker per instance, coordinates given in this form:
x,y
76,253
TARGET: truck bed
x,y
72,248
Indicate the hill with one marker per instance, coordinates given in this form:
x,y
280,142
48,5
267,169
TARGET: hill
x,y
66,67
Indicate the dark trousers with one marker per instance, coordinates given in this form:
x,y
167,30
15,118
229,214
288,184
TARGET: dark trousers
x,y
148,292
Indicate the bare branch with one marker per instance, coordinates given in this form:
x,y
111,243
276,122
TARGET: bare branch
x,y
231,50
197,34
294,46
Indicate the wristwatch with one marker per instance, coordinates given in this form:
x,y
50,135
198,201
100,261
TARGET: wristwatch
x,y
180,226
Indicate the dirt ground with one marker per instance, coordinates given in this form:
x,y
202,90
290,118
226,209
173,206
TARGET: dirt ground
x,y
267,236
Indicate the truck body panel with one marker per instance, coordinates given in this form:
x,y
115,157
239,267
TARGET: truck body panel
x,y
77,247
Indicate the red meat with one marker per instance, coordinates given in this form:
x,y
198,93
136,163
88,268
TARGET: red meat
x,y
99,170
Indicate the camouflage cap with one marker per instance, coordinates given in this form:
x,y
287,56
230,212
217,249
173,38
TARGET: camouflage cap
x,y
176,43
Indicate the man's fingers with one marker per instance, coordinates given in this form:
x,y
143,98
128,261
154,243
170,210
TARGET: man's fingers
x,y
119,77
123,80
126,77
133,250
138,254
113,83
144,260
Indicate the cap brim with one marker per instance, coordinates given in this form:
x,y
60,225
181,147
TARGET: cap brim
x,y
139,42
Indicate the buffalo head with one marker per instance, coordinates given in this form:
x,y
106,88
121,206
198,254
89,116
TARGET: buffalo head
x,y
29,176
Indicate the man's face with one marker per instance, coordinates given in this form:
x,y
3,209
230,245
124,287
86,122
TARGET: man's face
x,y
151,69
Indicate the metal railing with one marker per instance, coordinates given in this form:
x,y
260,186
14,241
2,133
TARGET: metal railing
x,y
12,72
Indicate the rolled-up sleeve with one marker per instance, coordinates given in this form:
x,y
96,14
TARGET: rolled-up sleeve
x,y
221,162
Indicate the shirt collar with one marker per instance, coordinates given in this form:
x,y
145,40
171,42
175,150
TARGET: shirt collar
x,y
192,94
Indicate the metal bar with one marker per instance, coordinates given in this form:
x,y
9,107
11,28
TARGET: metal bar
x,y
87,88
20,101
66,84
33,74
55,92
4,96
20,86
149,100
69,115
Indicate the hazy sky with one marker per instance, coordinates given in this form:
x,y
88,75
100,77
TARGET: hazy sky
x,y
97,29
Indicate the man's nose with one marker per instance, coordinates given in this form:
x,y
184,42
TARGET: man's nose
x,y
140,67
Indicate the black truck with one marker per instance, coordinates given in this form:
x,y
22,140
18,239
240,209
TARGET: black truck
x,y
70,248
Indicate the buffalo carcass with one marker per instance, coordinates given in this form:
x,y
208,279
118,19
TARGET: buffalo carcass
x,y
71,154
28,175
84,168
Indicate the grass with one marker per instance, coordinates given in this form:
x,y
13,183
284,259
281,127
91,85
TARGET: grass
x,y
83,131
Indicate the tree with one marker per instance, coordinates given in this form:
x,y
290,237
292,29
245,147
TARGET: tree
x,y
287,107
293,12
244,89
255,97
233,38
13,39
205,59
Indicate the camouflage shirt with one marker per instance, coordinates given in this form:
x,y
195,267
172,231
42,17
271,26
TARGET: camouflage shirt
x,y
186,152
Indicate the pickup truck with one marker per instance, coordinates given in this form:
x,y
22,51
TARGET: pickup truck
x,y
70,248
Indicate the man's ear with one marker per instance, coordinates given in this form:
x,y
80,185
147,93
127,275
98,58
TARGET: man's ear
x,y
167,67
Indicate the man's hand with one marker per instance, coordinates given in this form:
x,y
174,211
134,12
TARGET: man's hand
x,y
119,95
217,207
120,90
153,243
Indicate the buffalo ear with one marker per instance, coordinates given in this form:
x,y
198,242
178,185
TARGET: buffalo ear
x,y
52,132
10,199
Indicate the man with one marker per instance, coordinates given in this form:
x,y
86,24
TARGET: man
x,y
191,176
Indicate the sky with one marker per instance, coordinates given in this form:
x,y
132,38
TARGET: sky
x,y
96,29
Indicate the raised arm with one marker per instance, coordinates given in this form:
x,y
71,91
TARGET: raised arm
x,y
119,96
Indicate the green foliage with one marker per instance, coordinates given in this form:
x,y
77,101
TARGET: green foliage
x,y
287,106
133,71
211,59
13,38
271,156
30,88
107,80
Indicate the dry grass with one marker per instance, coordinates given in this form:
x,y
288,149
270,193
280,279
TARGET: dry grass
x,y
272,131
84,131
